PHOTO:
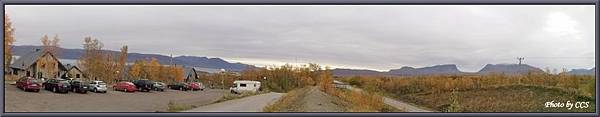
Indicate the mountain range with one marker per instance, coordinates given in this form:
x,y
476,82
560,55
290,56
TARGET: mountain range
x,y
583,71
218,63
449,69
188,61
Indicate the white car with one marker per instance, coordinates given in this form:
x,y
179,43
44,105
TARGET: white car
x,y
98,86
240,86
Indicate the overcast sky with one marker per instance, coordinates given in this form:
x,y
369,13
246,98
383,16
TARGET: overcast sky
x,y
366,37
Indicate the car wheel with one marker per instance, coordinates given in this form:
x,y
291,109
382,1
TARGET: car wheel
x,y
180,88
125,90
95,90
54,89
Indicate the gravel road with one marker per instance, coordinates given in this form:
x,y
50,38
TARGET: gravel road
x,y
254,103
17,100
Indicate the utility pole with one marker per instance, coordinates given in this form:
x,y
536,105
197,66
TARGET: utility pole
x,y
520,59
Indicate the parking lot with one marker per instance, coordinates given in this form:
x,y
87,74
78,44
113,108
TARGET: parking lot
x,y
17,100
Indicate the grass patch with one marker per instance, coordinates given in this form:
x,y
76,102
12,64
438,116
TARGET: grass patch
x,y
174,107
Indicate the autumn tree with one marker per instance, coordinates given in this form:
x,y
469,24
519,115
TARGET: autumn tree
x,y
9,39
122,61
137,69
153,69
95,63
51,45
47,63
178,73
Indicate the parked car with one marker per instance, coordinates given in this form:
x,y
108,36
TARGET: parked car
x,y
196,86
159,86
240,86
28,84
125,86
98,86
143,84
57,85
79,86
182,86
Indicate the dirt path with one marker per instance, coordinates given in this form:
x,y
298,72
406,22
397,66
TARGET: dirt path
x,y
402,105
396,103
315,100
248,104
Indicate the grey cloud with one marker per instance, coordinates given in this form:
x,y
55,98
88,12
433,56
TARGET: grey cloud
x,y
375,37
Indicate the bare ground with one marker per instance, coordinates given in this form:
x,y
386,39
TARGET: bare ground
x,y
312,99
247,104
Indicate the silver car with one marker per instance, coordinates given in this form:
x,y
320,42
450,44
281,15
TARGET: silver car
x,y
159,86
98,86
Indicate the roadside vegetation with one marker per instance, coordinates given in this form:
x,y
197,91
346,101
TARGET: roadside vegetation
x,y
290,79
485,93
175,107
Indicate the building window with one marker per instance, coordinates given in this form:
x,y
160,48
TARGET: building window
x,y
77,76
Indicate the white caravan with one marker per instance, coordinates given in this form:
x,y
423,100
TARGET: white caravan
x,y
240,86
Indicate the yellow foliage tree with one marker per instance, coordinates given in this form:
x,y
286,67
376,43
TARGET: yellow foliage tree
x,y
153,69
9,39
136,69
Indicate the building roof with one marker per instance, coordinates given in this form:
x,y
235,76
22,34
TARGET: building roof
x,y
189,70
27,60
69,67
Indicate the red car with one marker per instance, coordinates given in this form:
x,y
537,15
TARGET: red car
x,y
28,84
194,86
125,86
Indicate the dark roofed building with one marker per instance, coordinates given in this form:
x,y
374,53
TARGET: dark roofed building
x,y
73,72
27,65
190,74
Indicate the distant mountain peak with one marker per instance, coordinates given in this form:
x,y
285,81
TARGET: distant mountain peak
x,y
430,70
508,69
591,71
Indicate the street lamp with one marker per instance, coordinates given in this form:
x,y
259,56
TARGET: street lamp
x,y
222,79
117,74
264,81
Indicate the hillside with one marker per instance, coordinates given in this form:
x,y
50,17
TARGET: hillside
x,y
509,69
192,61
432,70
357,72
583,71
